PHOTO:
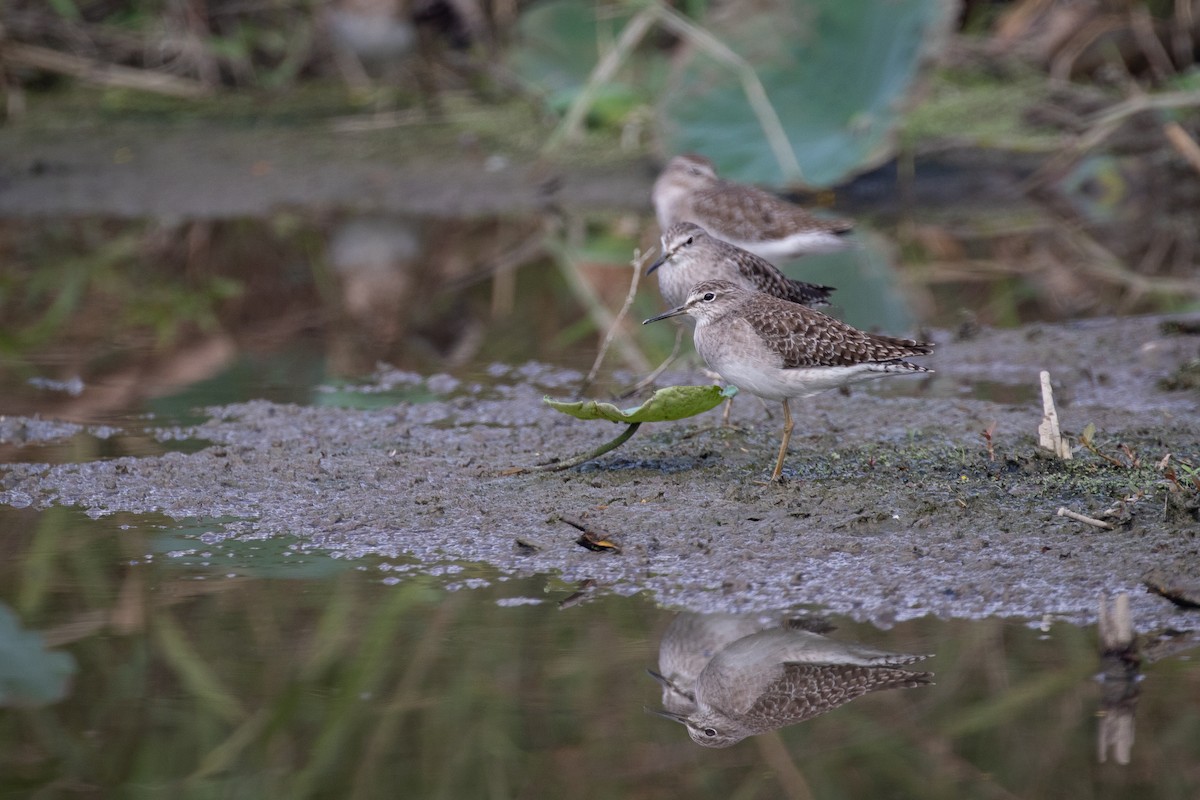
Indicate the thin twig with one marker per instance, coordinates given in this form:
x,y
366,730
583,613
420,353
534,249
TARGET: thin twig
x,y
1099,263
768,120
639,261
659,370
1075,515
1102,263
1157,58
1181,32
600,315
580,459
791,779
87,69
602,73
385,119
1104,123
1183,143
633,33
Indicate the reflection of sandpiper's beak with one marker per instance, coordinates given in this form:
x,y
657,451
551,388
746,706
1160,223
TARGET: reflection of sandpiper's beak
x,y
661,260
680,718
662,679
674,312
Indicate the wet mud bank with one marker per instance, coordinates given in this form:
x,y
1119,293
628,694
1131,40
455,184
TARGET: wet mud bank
x,y
894,505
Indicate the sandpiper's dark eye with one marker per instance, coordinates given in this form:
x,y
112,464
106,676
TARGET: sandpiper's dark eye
x,y
708,297
689,241
710,732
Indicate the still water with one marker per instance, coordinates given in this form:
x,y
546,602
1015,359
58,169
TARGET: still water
x,y
264,673
140,660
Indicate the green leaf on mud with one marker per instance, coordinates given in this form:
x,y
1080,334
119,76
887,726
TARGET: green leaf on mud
x,y
672,402
1089,433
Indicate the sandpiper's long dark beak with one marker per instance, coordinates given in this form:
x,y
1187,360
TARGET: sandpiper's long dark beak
x,y
661,260
674,312
680,718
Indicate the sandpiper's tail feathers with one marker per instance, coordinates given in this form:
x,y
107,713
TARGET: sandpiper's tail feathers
x,y
806,294
891,351
898,366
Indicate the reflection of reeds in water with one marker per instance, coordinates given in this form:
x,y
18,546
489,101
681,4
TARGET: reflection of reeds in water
x,y
347,687
134,311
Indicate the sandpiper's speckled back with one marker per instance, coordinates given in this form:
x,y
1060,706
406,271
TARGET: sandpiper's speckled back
x,y
690,255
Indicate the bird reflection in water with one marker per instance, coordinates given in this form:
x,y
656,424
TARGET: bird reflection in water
x,y
726,677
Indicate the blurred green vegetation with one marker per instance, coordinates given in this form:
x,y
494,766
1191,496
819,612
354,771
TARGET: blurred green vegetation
x,y
839,75
117,283
30,675
206,681
835,75
977,108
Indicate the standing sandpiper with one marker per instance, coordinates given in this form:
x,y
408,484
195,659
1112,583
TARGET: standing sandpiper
x,y
780,677
780,350
690,255
688,189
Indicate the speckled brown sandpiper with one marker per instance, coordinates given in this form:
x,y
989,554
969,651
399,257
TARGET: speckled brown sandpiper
x,y
780,350
688,190
690,255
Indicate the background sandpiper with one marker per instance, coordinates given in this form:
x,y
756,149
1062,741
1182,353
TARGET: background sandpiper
x,y
780,350
690,255
688,189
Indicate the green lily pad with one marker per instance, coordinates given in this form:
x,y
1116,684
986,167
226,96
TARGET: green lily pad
x,y
558,43
672,402
839,74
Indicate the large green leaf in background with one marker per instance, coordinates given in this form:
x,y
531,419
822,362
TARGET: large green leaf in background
x,y
838,73
560,42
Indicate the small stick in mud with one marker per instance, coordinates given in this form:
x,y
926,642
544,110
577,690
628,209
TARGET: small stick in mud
x,y
1075,515
1049,437
593,538
986,433
575,461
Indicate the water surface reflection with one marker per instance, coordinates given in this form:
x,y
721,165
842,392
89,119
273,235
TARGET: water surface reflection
x,y
197,673
725,679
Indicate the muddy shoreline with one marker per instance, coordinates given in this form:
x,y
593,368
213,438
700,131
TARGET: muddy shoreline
x,y
892,509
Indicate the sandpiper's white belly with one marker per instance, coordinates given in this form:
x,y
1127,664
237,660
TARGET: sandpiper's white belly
x,y
733,348
803,243
773,383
